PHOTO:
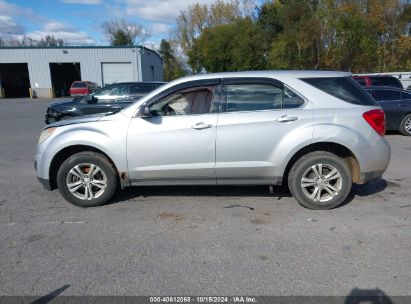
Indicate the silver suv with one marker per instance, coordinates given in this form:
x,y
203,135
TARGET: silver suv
x,y
318,132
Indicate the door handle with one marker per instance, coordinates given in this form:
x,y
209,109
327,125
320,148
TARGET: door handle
x,y
201,126
286,118
402,105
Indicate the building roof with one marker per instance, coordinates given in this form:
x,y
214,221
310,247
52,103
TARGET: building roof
x,y
80,47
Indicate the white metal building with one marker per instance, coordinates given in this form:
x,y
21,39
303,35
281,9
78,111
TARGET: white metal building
x,y
49,71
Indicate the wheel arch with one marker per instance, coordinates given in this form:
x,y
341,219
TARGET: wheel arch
x,y
331,147
66,152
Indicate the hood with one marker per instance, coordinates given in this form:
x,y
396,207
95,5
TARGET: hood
x,y
65,102
76,120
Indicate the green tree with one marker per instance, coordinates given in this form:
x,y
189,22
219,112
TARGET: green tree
x,y
294,30
229,47
171,65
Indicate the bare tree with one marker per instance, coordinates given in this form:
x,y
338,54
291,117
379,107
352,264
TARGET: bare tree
x,y
121,32
197,17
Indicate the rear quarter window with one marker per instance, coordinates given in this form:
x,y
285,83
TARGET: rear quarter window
x,y
344,88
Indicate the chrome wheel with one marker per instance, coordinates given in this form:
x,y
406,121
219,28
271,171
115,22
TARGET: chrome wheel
x,y
321,182
86,181
407,125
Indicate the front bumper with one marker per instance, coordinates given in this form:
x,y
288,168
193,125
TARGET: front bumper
x,y
45,182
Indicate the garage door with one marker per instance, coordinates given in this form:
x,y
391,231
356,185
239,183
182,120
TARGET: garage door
x,y
117,72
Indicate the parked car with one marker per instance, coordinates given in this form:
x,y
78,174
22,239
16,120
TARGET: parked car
x,y
109,99
82,88
318,132
369,80
396,104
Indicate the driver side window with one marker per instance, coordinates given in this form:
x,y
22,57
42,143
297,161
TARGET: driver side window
x,y
191,101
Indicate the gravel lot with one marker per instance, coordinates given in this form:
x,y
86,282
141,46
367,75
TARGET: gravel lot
x,y
196,240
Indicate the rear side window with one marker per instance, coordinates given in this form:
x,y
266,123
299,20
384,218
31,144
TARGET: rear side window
x,y
157,85
140,89
387,95
79,85
385,81
253,97
344,88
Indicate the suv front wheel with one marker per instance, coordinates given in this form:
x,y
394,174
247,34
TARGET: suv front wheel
x,y
87,179
320,180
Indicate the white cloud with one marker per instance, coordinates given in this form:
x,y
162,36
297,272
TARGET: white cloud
x,y
55,26
157,28
9,27
159,10
60,30
92,2
69,37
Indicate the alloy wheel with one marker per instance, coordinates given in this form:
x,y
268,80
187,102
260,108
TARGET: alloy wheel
x,y
321,182
86,181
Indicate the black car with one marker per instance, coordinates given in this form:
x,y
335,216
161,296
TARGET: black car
x,y
396,104
107,100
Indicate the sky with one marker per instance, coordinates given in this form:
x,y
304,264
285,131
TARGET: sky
x,y
78,22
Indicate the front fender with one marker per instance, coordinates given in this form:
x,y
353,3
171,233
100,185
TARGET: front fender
x,y
109,137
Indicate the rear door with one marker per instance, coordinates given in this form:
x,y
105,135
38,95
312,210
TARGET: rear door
x,y
258,114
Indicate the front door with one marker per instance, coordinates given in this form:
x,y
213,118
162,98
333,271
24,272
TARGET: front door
x,y
176,144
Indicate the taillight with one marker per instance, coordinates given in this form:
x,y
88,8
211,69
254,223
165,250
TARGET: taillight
x,y
376,119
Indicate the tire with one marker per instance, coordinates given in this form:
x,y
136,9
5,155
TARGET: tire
x,y
75,171
405,125
339,184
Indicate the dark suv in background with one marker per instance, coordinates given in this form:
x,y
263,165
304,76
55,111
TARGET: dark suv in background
x,y
378,81
107,100
396,104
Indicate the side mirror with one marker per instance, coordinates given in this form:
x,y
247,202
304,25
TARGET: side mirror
x,y
144,111
90,99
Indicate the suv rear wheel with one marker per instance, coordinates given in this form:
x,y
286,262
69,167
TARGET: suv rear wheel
x,y
320,180
87,179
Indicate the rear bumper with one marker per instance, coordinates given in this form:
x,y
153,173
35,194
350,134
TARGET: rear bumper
x,y
374,160
369,176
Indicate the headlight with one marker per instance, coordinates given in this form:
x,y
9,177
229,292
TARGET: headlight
x,y
51,112
46,134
